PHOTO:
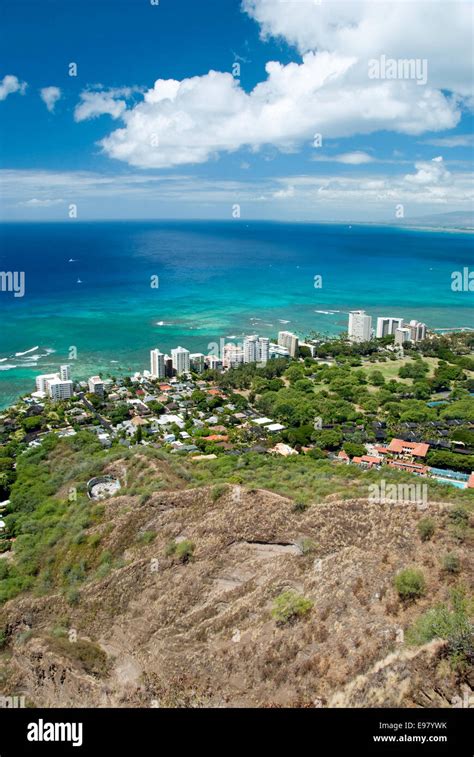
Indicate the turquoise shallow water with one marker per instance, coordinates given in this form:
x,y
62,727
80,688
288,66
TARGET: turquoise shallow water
x,y
216,279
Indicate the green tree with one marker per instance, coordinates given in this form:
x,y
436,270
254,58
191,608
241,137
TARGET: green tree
x,y
376,378
353,449
327,439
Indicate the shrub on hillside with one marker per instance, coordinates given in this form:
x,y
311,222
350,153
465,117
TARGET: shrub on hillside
x,y
459,518
459,515
451,563
88,655
289,606
146,537
410,583
183,550
307,545
218,491
454,624
73,597
426,528
300,507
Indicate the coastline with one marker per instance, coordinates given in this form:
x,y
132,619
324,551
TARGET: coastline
x,y
122,371
214,280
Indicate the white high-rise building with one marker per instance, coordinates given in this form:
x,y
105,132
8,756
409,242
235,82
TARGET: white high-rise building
x,y
65,372
96,386
213,362
417,330
41,381
402,336
157,363
251,349
360,326
60,390
233,355
388,326
264,350
57,385
181,360
256,349
289,342
197,362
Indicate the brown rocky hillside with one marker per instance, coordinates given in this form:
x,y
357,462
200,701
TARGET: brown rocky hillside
x,y
161,632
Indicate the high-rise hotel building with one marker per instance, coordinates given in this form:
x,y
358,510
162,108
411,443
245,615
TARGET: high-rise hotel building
x,y
96,386
289,342
65,373
157,364
388,326
402,335
60,390
181,360
417,331
233,355
58,386
196,360
360,326
256,349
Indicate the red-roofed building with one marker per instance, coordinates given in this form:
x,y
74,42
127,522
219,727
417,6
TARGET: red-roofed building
x,y
407,450
343,455
470,483
372,460
367,461
216,438
408,467
165,387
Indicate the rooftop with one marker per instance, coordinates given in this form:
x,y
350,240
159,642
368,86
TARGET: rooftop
x,y
417,449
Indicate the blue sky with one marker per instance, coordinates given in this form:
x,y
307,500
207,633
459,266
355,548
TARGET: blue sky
x,y
302,131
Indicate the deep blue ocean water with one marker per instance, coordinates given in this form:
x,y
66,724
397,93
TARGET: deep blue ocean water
x,y
216,279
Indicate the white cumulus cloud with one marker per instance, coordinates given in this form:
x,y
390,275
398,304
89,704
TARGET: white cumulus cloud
x,y
11,84
50,96
429,172
191,121
330,91
99,102
399,29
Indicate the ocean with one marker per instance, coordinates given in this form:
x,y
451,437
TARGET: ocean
x,y
106,293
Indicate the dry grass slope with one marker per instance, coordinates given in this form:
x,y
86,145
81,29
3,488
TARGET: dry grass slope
x,y
158,631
